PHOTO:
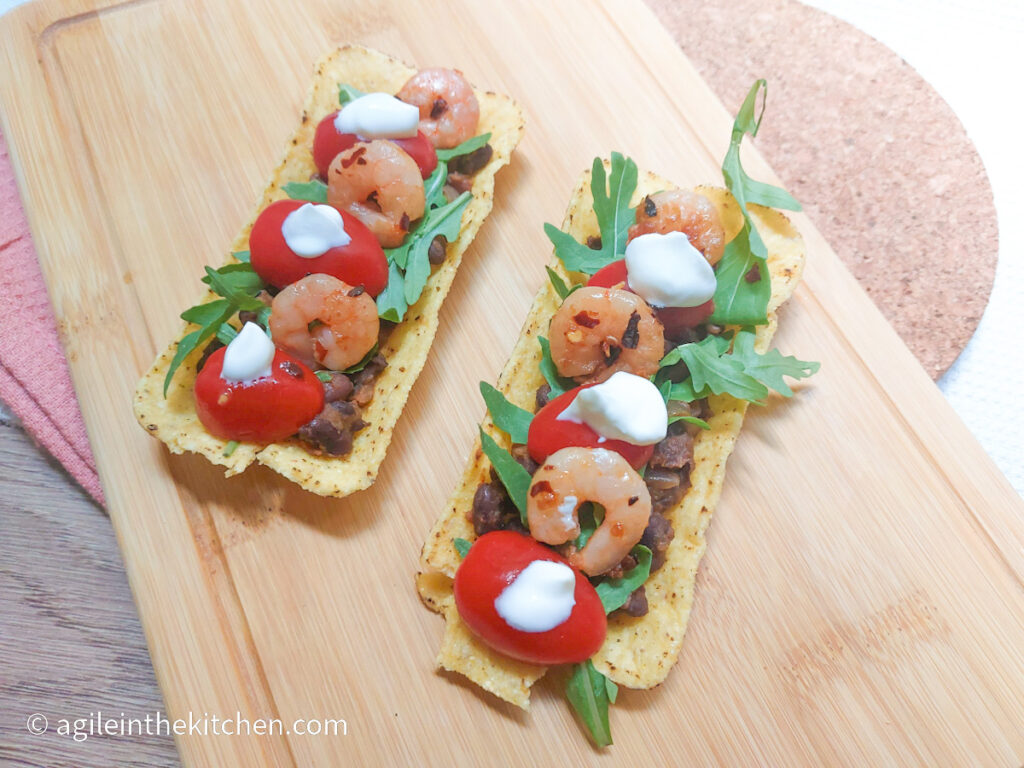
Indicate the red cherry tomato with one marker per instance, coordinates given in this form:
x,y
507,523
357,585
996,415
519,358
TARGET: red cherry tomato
x,y
675,319
547,434
610,275
493,562
263,411
678,319
328,144
361,262
420,149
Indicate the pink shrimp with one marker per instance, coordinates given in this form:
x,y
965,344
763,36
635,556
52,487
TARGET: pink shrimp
x,y
449,111
682,210
572,476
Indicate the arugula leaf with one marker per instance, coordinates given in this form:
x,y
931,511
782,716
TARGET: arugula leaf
x,y
589,693
323,375
314,191
612,193
509,418
446,221
192,340
469,145
347,93
615,592
744,283
558,385
558,284
237,284
723,374
574,256
263,318
462,546
614,214
226,334
666,390
433,187
690,420
739,299
591,515
612,689
204,314
511,473
364,362
409,263
684,391
391,301
719,365
771,366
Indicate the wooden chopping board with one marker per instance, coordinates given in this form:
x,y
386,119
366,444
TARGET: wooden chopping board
x,y
861,598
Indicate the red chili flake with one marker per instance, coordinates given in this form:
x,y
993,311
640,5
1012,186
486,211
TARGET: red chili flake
x,y
633,500
438,109
347,162
357,291
650,209
754,274
586,319
594,242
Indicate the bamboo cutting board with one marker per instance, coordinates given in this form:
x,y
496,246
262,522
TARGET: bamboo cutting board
x,y
860,601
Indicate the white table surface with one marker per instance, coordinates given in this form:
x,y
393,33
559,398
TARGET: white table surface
x,y
972,54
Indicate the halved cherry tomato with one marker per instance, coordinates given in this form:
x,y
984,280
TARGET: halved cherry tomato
x,y
328,144
263,411
492,563
421,150
610,275
675,319
361,262
678,319
547,434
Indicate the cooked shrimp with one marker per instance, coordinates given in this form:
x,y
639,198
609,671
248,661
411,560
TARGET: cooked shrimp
x,y
598,331
682,210
449,111
324,322
572,476
379,184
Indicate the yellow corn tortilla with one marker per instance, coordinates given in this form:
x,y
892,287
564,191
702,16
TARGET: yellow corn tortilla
x,y
638,652
174,421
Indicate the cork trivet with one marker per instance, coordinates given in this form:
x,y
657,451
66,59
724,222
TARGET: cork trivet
x,y
877,158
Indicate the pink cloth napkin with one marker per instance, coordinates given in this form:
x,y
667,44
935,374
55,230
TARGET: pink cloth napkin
x,y
34,379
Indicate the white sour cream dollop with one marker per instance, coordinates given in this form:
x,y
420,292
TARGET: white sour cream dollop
x,y
540,598
313,229
625,407
667,271
378,116
249,355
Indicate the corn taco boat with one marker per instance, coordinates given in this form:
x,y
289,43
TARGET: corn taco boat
x,y
302,353
603,454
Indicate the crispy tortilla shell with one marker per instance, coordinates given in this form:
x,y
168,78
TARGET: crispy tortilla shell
x,y
173,419
638,652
